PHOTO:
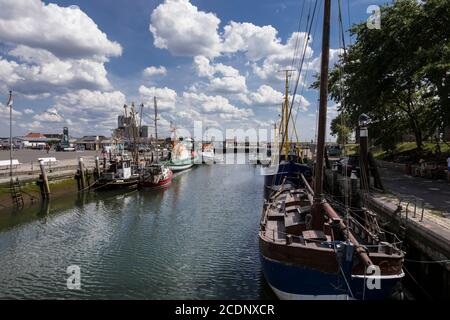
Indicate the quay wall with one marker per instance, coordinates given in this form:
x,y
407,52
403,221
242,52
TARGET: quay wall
x,y
425,235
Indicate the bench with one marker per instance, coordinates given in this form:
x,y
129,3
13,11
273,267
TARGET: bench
x,y
48,160
5,164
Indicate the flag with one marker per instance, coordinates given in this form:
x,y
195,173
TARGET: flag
x,y
10,101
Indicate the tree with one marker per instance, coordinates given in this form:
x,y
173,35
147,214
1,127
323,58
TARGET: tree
x,y
398,75
340,130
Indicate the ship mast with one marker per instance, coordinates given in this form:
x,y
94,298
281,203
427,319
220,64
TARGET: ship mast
x,y
284,126
318,218
140,123
134,132
156,128
286,116
318,179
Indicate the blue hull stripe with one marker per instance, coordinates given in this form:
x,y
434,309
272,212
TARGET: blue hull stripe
x,y
308,282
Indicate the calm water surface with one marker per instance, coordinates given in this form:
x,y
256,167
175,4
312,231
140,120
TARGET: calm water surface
x,y
195,240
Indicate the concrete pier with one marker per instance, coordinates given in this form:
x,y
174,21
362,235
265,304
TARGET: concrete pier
x,y
425,232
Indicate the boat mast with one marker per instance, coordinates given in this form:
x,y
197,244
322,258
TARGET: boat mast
x,y
140,123
156,128
284,126
134,129
318,179
286,116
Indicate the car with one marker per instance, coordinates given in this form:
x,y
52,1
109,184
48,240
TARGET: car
x,y
334,151
347,164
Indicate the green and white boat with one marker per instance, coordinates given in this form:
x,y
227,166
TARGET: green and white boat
x,y
182,156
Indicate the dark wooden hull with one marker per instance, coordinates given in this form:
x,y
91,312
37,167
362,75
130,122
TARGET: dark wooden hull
x,y
115,185
299,272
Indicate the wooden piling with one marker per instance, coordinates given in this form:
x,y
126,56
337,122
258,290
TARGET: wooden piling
x,y
81,172
97,168
45,189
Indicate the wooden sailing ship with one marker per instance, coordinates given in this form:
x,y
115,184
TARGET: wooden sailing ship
x,y
307,249
304,257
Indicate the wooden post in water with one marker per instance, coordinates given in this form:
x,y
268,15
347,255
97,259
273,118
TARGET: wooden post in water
x,y
97,168
45,188
81,171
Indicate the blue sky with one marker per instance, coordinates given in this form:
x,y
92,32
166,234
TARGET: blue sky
x,y
75,63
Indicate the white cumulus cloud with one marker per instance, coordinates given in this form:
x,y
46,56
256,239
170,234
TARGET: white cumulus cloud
x,y
153,71
222,78
54,49
181,28
166,97
217,105
66,32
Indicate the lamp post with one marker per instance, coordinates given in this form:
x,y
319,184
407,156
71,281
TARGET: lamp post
x,y
10,105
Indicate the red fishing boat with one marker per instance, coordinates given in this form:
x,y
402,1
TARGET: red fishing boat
x,y
156,176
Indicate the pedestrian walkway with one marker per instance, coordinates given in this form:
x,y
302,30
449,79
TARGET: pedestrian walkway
x,y
434,193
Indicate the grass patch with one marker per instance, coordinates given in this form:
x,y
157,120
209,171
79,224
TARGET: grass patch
x,y
405,148
350,149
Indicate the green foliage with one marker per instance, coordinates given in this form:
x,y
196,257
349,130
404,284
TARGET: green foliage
x,y
340,129
398,75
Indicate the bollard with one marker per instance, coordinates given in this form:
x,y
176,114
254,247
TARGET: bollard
x,y
353,188
45,189
81,171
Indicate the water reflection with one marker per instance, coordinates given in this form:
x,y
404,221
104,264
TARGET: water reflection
x,y
196,239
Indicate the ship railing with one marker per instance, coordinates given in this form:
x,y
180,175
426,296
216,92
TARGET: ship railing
x,y
395,240
289,238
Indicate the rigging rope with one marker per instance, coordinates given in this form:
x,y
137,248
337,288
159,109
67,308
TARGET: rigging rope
x,y
301,68
298,36
305,76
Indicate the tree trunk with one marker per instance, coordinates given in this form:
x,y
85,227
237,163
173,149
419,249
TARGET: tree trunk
x,y
417,134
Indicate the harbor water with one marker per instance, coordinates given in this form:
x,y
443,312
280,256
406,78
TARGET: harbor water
x,y
195,240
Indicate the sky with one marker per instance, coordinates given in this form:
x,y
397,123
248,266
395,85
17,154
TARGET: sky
x,y
76,63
